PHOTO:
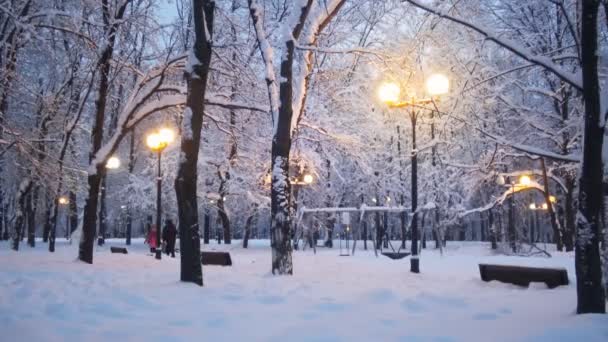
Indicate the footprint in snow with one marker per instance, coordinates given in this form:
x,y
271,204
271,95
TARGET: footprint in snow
x,y
485,316
413,306
232,297
270,300
381,296
331,307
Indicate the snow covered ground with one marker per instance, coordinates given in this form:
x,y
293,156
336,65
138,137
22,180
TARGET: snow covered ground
x,y
133,297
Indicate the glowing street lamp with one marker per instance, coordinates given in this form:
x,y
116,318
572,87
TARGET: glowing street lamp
x,y
437,84
308,179
113,163
525,180
157,142
389,93
532,206
63,200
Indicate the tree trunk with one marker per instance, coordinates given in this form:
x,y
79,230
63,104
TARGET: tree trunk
x,y
557,232
512,236
221,209
423,230
187,175
590,290
248,224
482,227
131,167
330,220
206,228
47,219
101,237
31,216
89,222
21,199
570,219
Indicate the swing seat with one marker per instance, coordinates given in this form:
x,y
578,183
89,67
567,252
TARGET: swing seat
x,y
396,255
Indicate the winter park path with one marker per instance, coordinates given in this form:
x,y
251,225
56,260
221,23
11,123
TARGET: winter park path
x,y
133,297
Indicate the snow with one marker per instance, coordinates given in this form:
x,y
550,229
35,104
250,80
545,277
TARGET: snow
x,y
134,297
187,123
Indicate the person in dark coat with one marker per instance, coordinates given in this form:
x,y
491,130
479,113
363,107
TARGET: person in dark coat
x,y
169,236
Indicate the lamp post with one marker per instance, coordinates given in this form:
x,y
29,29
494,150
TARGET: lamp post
x,y
436,85
112,163
296,182
63,201
157,142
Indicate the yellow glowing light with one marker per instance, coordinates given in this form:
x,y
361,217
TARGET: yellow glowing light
x,y
153,141
389,93
525,180
437,84
159,140
552,199
308,179
545,206
532,206
63,200
166,135
113,163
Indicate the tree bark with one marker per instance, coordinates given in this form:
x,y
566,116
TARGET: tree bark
x,y
570,219
206,228
31,216
557,232
89,223
590,290
22,194
250,222
187,174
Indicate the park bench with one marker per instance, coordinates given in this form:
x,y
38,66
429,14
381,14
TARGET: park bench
x,y
216,258
121,250
523,276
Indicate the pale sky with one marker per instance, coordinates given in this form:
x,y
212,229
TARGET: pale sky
x,y
166,11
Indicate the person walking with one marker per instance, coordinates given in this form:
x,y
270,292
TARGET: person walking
x,y
169,237
151,238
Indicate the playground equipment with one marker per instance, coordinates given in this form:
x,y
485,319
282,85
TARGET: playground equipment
x,y
306,232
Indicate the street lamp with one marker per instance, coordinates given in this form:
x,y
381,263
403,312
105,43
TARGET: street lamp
x,y
157,142
525,181
388,93
113,163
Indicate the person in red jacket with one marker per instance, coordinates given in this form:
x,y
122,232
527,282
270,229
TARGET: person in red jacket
x,y
151,238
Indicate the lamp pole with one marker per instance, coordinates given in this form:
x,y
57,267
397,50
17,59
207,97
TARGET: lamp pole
x,y
159,181
389,93
511,219
157,142
414,261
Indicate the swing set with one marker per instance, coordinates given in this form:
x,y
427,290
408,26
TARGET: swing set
x,y
304,231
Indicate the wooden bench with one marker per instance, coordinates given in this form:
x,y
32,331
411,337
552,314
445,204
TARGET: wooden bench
x,y
216,258
523,276
121,250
